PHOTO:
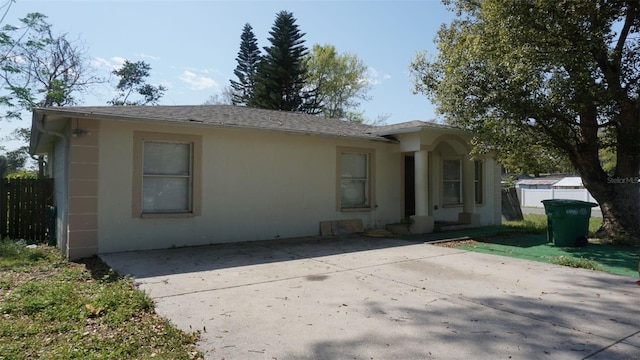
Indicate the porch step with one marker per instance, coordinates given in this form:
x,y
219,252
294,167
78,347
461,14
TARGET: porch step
x,y
451,225
398,229
439,226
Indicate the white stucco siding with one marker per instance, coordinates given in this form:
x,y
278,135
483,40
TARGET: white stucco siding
x,y
389,186
490,186
255,186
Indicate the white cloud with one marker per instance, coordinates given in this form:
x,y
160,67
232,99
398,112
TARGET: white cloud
x,y
194,70
374,77
197,82
100,62
209,71
109,64
119,61
147,56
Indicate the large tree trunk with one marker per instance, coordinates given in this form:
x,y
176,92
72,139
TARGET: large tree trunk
x,y
620,209
621,213
617,195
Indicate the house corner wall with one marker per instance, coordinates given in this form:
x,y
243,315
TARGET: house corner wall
x,y
497,193
82,204
58,161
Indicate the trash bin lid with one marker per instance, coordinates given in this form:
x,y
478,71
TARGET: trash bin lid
x,y
567,203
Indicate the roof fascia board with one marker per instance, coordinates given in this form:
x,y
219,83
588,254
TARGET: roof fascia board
x,y
419,129
74,114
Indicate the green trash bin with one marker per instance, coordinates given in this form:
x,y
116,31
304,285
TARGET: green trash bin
x,y
567,221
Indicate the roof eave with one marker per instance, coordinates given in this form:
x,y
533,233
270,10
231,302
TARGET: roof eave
x,y
414,129
194,123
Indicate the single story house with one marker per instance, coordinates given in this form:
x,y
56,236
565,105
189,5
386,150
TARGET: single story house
x,y
133,178
531,192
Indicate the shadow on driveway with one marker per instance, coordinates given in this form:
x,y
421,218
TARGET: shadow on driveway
x,y
224,256
364,298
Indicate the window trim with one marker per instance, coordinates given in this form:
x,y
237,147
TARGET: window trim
x,y
139,138
478,183
371,161
460,181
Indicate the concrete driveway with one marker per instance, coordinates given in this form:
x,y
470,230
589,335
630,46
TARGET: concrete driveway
x,y
362,298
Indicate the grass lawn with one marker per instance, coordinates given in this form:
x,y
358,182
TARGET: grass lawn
x,y
55,309
528,240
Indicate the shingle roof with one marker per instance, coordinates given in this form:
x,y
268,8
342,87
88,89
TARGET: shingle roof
x,y
545,181
225,116
411,125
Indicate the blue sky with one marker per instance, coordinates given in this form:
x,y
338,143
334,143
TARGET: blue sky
x,y
192,45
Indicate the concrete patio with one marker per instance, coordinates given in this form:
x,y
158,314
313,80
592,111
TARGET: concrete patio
x,y
364,298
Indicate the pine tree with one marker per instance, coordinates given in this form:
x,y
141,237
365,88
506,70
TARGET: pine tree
x,y
247,68
280,84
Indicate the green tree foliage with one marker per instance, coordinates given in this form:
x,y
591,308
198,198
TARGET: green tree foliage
x,y
535,160
339,79
4,166
280,84
15,160
247,68
608,160
12,161
562,75
24,174
133,80
38,68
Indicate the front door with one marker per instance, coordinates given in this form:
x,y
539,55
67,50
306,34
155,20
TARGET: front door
x,y
409,186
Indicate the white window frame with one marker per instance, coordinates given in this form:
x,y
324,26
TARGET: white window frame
x,y
188,176
368,180
446,181
194,176
478,181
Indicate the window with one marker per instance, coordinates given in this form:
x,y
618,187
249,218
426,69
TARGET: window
x,y
478,180
166,175
354,179
451,182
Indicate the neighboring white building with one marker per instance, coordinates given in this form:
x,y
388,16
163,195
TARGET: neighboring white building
x,y
531,192
540,183
570,182
133,178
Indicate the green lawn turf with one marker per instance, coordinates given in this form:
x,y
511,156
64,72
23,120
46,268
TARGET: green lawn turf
x,y
527,239
54,309
615,259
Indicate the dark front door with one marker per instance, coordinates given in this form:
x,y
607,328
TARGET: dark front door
x,y
409,186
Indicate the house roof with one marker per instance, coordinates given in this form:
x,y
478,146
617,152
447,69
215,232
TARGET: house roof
x,y
411,126
569,181
545,181
226,116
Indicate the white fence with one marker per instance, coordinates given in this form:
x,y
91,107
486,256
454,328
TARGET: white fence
x,y
534,197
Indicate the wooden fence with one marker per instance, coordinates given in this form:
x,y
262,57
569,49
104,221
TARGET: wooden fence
x,y
24,209
510,205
